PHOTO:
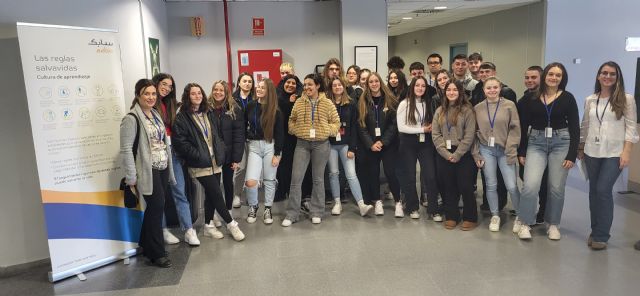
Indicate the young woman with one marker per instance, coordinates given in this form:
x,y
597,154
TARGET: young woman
x,y
343,147
364,77
378,134
552,144
149,170
243,95
442,78
313,120
166,105
454,130
197,139
289,90
414,125
498,137
265,132
353,82
607,135
397,83
229,119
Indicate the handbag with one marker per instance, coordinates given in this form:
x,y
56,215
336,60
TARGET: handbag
x,y
130,197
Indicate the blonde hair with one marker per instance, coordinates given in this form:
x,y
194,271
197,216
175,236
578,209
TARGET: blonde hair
x,y
286,66
228,101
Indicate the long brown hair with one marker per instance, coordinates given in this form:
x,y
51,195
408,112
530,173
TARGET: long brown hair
x,y
618,99
141,85
366,100
325,72
411,105
186,99
455,107
228,101
268,116
344,98
169,101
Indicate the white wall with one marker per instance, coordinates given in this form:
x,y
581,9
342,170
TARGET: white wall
x,y
364,23
512,39
21,217
307,32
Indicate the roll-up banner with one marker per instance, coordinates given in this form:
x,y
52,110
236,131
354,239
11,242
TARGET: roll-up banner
x,y
73,81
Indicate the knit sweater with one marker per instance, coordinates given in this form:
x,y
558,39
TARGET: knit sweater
x,y
326,121
461,135
506,128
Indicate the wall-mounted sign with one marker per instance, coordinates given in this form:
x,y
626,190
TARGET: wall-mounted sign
x,y
257,26
632,44
197,26
154,55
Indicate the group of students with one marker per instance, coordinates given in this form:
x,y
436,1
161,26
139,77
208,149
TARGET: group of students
x,y
449,123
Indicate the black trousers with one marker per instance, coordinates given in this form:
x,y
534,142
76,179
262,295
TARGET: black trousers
x,y
213,200
542,201
458,179
283,175
370,170
412,151
227,182
151,239
502,190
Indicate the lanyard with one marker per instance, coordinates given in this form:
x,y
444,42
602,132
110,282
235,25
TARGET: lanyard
x,y
156,125
601,118
340,112
203,124
377,115
447,122
549,109
313,107
424,113
255,118
493,121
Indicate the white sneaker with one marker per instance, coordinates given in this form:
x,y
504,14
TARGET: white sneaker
x,y
399,211
236,201
212,231
316,220
286,223
415,215
191,238
235,231
169,238
494,226
337,207
364,208
267,218
524,232
437,218
516,225
553,232
216,219
379,210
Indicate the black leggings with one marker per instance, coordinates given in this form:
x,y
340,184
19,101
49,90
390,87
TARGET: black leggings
x,y
151,239
370,170
213,199
458,179
227,182
412,151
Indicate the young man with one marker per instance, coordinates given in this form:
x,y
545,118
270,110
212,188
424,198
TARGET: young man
x,y
416,69
434,61
395,63
459,68
532,82
475,60
488,69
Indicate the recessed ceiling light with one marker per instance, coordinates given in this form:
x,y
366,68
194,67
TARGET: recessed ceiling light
x,y
407,18
440,8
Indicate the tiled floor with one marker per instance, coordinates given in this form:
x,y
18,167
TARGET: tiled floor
x,y
350,255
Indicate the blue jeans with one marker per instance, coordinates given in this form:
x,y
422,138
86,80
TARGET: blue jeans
x,y
259,165
603,173
544,153
495,158
339,153
179,197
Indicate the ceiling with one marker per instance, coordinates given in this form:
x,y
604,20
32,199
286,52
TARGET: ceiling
x,y
428,17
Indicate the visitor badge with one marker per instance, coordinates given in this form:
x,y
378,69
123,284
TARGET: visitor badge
x,y
421,138
548,132
378,132
312,133
338,137
344,124
492,141
448,143
169,140
597,140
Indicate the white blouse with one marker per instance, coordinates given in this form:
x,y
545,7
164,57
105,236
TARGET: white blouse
x,y
602,134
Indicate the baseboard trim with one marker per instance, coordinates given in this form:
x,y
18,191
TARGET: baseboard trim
x,y
9,271
633,186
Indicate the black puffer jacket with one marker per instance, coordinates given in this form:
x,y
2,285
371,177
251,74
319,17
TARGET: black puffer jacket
x,y
386,122
284,104
190,142
232,130
348,126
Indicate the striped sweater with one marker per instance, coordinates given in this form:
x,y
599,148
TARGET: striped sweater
x,y
326,121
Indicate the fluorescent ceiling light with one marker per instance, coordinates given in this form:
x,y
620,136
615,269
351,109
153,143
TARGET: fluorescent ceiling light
x,y
407,18
440,8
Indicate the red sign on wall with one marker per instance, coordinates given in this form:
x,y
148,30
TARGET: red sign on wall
x,y
257,26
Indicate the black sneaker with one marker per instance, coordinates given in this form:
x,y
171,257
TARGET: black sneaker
x,y
251,215
162,262
267,218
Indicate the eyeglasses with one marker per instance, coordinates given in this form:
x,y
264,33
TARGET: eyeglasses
x,y
608,74
166,85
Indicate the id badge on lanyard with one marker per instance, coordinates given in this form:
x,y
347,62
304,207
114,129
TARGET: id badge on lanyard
x,y
378,132
312,133
448,143
422,138
548,132
492,141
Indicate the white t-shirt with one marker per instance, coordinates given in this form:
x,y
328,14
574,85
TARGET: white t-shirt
x,y
601,132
